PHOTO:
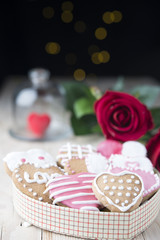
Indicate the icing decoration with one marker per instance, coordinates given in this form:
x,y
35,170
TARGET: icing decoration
x,y
72,191
38,123
133,149
151,181
96,163
129,180
14,159
70,151
105,181
106,188
108,147
129,163
40,177
127,203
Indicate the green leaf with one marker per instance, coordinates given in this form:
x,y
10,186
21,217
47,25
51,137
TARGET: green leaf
x,y
146,94
82,107
73,91
155,112
83,125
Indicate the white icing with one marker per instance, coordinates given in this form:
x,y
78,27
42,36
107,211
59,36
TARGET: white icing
x,y
135,194
40,198
129,180
104,177
87,175
119,194
89,181
120,180
129,188
133,149
20,179
30,189
121,208
69,190
24,185
137,182
39,177
136,189
114,187
33,156
126,201
59,185
117,201
112,180
60,199
111,193
128,194
105,180
106,188
121,187
34,194
16,171
17,175
86,202
132,176
96,163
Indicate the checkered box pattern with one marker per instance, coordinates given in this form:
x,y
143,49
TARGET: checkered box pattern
x,y
86,224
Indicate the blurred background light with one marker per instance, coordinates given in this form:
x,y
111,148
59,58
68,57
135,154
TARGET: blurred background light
x,y
67,6
80,26
92,49
48,12
79,74
101,33
67,16
52,48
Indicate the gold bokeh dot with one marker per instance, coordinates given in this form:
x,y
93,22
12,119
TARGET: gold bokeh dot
x,y
95,59
67,6
52,48
92,49
48,12
108,17
104,56
71,59
79,74
80,26
117,16
101,33
67,16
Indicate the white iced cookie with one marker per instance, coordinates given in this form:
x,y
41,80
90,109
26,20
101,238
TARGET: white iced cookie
x,y
96,163
120,192
38,157
133,149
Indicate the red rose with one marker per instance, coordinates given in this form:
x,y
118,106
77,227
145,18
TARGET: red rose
x,y
153,148
122,116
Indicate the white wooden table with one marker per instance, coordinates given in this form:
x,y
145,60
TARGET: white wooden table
x,y
11,225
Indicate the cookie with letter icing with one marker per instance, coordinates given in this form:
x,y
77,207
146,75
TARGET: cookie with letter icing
x,y
74,191
138,165
32,181
38,157
73,151
120,192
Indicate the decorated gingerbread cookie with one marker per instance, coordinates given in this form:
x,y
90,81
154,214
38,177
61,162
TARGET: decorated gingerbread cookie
x,y
38,157
138,165
32,180
73,151
74,166
120,192
74,191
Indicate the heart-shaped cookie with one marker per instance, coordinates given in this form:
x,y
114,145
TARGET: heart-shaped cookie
x,y
73,151
74,191
38,123
119,192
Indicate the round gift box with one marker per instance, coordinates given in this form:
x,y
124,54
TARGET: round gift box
x,y
86,224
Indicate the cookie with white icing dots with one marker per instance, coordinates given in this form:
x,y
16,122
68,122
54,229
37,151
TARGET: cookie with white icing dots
x,y
121,192
38,157
32,180
73,151
74,191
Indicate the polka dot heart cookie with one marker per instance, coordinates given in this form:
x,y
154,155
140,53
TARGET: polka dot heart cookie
x,y
121,192
38,157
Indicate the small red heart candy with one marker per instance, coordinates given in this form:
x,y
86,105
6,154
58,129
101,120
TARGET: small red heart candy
x,y
38,123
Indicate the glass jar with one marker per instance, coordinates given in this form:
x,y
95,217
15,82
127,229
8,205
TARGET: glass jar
x,y
38,109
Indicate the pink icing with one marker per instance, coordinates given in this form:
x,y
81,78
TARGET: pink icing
x,y
151,181
23,160
41,158
132,164
74,191
108,147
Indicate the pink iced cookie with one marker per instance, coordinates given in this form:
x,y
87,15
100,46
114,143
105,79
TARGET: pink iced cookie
x,y
74,191
119,163
108,147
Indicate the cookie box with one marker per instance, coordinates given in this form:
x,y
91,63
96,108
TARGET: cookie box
x,y
86,224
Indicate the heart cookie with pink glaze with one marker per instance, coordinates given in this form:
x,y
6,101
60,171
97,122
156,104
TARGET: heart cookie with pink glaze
x,y
121,192
38,157
109,147
74,191
138,165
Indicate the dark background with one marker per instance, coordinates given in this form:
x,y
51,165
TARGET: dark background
x,y
133,43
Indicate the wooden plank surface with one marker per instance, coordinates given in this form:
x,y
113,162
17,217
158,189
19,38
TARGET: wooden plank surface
x,y
11,225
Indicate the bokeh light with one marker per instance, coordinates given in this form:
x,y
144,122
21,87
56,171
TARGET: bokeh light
x,y
80,26
67,16
101,33
92,49
104,56
117,16
79,74
71,59
108,17
95,58
52,48
48,12
67,6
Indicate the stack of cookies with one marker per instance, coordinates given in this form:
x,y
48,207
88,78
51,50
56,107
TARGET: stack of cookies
x,y
86,178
